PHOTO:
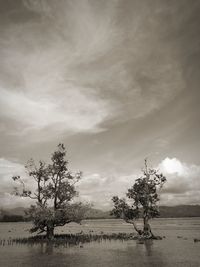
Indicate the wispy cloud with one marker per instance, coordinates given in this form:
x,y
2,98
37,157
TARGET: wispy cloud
x,y
48,93
71,111
71,67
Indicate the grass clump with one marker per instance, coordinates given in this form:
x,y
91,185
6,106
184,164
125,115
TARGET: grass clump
x,y
73,239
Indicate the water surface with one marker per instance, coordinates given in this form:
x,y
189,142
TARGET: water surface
x,y
176,249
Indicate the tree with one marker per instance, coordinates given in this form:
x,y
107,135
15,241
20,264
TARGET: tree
x,y
55,190
143,198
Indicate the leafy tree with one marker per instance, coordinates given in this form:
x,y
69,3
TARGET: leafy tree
x,y
143,197
55,190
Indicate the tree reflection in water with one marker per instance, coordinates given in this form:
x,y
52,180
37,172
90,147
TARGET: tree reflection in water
x,y
108,253
149,253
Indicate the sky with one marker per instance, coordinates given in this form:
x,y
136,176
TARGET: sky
x,y
116,81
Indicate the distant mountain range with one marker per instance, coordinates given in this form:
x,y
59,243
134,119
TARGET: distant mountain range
x,y
180,211
17,214
165,212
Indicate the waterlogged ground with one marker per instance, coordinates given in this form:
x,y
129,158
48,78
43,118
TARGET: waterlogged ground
x,y
176,249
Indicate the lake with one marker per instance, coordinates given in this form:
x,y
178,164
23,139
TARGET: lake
x,y
176,249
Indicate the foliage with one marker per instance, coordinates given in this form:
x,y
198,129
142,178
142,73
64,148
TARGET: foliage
x,y
55,189
144,196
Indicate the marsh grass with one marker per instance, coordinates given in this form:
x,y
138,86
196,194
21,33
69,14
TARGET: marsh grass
x,y
74,239
71,239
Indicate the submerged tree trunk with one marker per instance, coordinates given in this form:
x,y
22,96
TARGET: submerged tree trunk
x,y
50,232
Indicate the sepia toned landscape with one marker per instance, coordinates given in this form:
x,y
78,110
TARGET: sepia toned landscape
x,y
99,133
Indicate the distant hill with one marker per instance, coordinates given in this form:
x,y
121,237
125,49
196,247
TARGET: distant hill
x,y
17,214
98,214
180,211
12,215
15,211
165,212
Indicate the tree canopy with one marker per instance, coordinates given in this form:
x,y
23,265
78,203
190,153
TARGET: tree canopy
x,y
55,190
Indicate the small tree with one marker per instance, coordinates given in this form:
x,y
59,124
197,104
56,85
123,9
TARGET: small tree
x,y
55,188
144,197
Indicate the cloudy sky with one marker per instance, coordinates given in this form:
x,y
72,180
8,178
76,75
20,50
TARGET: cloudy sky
x,y
116,81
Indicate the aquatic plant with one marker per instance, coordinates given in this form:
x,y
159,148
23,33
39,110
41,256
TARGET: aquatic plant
x,y
73,239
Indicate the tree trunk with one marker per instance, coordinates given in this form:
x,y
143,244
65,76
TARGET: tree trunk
x,y
135,226
50,232
147,229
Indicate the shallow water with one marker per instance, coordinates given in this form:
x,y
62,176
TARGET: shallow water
x,y
177,249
